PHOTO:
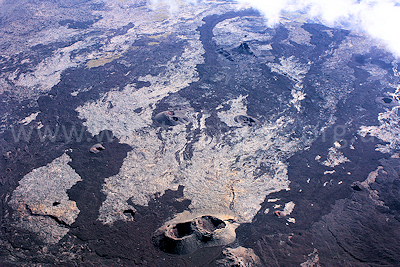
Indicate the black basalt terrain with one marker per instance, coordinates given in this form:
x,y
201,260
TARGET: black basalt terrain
x,y
202,137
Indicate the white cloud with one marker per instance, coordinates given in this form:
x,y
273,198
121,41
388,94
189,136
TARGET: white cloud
x,y
173,4
378,18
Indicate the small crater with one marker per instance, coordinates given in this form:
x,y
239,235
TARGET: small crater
x,y
96,148
129,213
56,203
246,120
387,101
170,118
187,237
206,226
277,213
182,229
211,223
244,49
138,110
356,186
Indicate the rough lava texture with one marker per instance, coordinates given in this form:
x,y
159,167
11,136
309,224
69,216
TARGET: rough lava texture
x,y
41,201
226,142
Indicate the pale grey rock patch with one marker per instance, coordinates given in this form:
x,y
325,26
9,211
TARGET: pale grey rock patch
x,y
230,33
41,202
291,220
388,130
312,260
240,257
334,158
376,72
149,168
218,179
297,34
237,107
291,67
38,25
154,17
30,118
288,209
296,71
48,72
373,194
40,78
223,173
122,119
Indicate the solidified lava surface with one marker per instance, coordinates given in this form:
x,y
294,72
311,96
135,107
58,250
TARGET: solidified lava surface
x,y
133,136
